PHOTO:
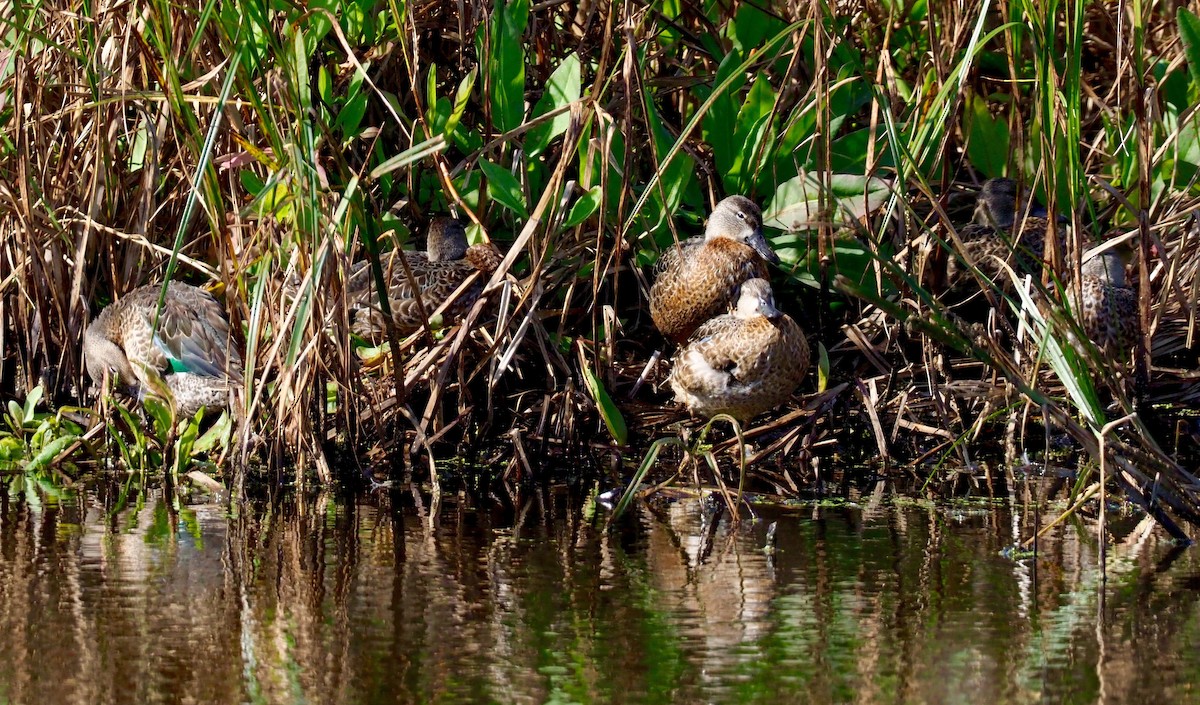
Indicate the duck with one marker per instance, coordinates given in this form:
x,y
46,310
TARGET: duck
x,y
439,271
699,279
189,352
990,239
1107,306
744,362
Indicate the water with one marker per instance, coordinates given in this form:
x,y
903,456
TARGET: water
x,y
116,596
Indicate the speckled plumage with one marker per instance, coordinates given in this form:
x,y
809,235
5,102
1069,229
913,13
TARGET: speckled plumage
x,y
190,352
699,279
438,272
1107,310
742,363
991,238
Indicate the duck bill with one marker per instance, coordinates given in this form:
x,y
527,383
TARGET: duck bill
x,y
768,309
759,242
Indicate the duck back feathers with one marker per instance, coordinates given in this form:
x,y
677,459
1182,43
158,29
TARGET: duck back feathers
x,y
189,350
742,363
699,278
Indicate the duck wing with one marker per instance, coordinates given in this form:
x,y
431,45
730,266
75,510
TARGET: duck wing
x,y
193,334
674,256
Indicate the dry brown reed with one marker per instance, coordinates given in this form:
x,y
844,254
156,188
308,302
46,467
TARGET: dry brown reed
x,y
224,146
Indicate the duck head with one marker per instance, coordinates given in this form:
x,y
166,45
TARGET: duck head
x,y
446,240
757,299
740,219
1109,264
996,204
103,357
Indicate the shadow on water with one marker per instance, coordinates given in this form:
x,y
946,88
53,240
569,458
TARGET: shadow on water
x,y
362,598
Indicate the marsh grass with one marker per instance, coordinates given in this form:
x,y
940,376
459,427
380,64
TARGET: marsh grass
x,y
264,149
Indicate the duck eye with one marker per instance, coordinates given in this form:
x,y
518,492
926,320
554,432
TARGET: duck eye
x,y
741,215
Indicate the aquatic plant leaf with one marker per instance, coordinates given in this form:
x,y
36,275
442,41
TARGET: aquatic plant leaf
x,y
48,453
409,156
11,449
1189,33
504,188
44,431
795,204
583,208
189,430
506,63
987,139
160,414
822,368
1186,160
461,98
733,155
562,89
214,435
604,404
31,401
643,469
1065,359
673,177
751,26
350,117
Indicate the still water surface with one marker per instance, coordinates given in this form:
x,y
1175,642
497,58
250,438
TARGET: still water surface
x,y
364,599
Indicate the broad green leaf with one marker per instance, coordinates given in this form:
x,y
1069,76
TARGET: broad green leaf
x,y
751,26
1187,151
409,156
276,201
50,452
822,368
733,155
1189,33
325,86
506,64
795,205
721,119
439,115
987,139
189,430
250,182
850,150
316,25
300,64
504,188
160,413
45,429
141,142
562,89
678,175
11,449
31,401
213,435
604,404
461,98
139,435
350,117
583,208
431,85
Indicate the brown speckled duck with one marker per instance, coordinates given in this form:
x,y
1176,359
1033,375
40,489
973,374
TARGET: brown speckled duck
x,y
991,238
190,352
699,279
438,272
742,363
1108,307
